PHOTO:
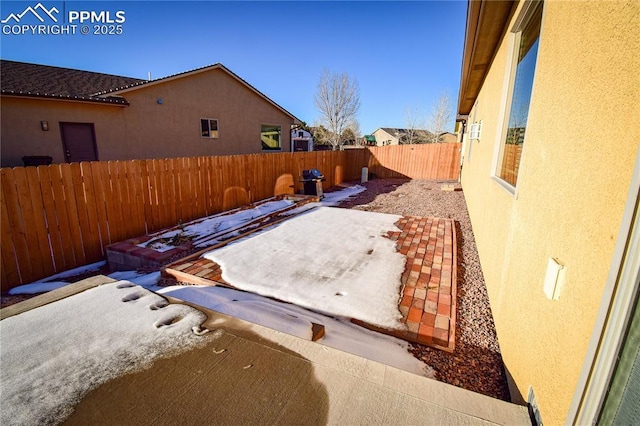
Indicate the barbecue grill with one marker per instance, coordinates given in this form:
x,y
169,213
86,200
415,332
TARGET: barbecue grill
x,y
312,180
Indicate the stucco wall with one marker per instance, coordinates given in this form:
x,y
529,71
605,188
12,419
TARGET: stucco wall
x,y
147,129
22,135
582,138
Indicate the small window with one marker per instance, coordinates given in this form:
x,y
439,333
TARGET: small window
x,y
209,127
270,137
527,36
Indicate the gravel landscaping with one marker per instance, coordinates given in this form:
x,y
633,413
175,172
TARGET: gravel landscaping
x,y
476,364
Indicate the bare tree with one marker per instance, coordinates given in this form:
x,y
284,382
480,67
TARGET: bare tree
x,y
338,101
413,123
440,116
354,126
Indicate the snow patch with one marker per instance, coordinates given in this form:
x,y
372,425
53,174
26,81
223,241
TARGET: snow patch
x,y
336,261
216,224
35,288
53,355
291,319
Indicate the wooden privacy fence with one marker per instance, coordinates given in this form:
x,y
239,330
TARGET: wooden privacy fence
x,y
61,216
440,161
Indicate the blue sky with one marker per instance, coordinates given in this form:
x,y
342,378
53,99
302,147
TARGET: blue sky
x,y
402,53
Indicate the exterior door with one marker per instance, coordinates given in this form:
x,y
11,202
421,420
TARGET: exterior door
x,y
79,142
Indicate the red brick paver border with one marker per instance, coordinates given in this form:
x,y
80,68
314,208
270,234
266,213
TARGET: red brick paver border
x,y
429,290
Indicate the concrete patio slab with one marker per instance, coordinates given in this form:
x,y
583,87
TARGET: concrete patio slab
x,y
249,374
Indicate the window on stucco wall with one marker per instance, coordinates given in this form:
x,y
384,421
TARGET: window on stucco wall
x,y
527,35
209,127
270,137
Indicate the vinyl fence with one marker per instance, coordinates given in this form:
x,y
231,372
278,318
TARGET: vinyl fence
x,y
61,216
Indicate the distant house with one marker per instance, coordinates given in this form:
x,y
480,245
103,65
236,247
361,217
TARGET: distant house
x,y
448,137
369,140
554,207
72,115
393,136
301,140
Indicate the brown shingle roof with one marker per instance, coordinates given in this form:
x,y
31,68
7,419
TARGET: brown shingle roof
x,y
24,79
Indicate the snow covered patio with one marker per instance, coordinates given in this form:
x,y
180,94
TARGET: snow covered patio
x,y
140,364
389,273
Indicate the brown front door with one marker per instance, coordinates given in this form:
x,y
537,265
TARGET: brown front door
x,y
79,142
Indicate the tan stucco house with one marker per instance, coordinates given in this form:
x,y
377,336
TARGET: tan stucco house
x,y
550,95
448,137
73,115
394,136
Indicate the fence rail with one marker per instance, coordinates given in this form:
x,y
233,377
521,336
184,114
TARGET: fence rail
x,y
61,216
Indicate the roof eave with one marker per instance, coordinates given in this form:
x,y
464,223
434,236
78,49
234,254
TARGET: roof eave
x,y
487,23
65,98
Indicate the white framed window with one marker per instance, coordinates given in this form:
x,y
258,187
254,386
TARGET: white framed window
x,y
209,128
270,136
525,39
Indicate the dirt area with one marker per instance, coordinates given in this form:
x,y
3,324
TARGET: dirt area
x,y
476,364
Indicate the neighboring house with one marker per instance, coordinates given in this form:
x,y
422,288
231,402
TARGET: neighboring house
x,y
551,96
301,140
448,137
391,136
72,115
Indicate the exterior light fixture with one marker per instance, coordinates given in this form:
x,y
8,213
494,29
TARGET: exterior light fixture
x,y
44,125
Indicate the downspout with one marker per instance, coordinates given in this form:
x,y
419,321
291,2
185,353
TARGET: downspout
x,y
462,120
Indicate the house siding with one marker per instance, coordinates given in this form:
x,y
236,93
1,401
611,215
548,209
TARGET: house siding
x,y
21,134
582,137
382,136
147,129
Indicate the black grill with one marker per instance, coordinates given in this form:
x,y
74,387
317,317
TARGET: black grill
x,y
312,174
312,180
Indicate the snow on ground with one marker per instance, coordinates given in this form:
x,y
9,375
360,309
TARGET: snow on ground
x,y
55,281
226,222
54,354
35,288
217,224
335,261
291,319
287,318
334,198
